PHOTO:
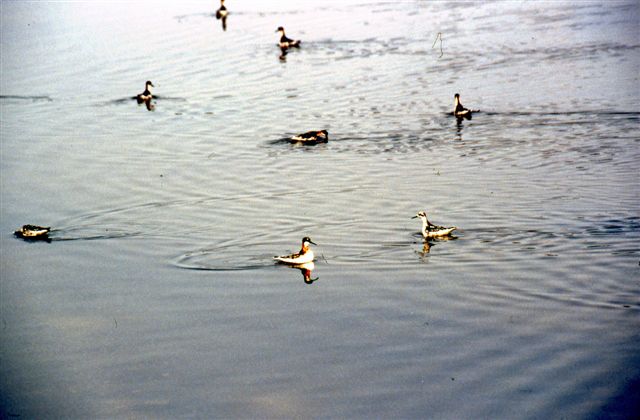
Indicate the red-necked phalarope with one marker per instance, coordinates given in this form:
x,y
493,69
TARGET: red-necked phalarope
x,y
286,42
311,137
222,13
304,256
459,110
146,95
33,232
429,230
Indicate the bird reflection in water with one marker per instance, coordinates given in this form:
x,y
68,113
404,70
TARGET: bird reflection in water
x,y
427,244
459,127
283,54
147,102
221,14
306,269
424,253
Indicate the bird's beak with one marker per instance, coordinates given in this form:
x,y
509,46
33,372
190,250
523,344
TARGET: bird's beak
x,y
414,217
311,242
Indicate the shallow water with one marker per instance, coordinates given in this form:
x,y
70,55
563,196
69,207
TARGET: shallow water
x,y
157,295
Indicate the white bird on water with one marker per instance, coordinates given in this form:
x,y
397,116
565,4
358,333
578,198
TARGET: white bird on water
x,y
429,230
304,256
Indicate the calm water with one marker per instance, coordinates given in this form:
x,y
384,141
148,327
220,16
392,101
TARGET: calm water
x,y
157,296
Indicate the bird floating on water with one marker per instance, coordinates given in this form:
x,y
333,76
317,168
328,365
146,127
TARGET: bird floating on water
x,y
429,230
146,95
459,110
286,42
33,232
311,137
304,256
222,13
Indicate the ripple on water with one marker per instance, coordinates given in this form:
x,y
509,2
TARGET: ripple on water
x,y
227,255
33,98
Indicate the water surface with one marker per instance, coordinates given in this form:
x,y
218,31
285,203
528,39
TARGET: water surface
x,y
157,296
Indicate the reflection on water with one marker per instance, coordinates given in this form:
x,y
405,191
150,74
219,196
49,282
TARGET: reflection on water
x,y
426,248
283,54
26,98
306,269
147,102
429,244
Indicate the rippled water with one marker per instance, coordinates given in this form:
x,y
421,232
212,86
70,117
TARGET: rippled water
x,y
157,295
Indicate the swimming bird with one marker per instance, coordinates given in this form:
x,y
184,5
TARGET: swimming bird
x,y
459,110
33,232
286,42
429,230
311,137
304,256
146,95
222,13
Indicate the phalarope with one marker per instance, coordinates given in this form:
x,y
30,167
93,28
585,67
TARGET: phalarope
x,y
459,110
286,42
311,137
429,230
304,256
146,95
222,13
33,232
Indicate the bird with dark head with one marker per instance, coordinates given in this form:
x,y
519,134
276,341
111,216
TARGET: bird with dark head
x,y
222,13
33,232
305,255
429,230
146,95
286,42
459,110
311,137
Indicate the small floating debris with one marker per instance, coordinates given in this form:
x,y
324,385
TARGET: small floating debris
x,y
33,232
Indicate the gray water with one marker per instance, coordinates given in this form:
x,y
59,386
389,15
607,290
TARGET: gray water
x,y
157,296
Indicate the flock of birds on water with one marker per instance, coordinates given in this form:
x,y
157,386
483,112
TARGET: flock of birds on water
x,y
305,257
